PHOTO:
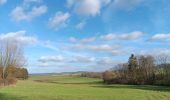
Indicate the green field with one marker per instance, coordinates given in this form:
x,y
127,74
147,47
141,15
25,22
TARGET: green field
x,y
75,88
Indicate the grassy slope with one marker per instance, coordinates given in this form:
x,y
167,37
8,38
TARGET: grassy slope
x,y
69,88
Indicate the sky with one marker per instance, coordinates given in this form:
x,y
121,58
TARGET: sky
x,y
85,35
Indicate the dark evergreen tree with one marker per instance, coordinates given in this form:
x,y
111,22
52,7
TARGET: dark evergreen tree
x,y
132,63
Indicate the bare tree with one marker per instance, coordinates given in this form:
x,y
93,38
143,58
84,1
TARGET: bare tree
x,y
11,55
163,63
146,69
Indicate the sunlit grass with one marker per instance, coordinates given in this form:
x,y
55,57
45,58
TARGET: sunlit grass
x,y
75,88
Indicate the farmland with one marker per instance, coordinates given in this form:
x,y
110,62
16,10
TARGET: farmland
x,y
78,88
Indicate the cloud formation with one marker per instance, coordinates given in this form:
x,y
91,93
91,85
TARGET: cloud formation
x,y
106,61
58,20
84,59
87,7
96,48
84,40
80,25
109,37
99,48
125,36
45,59
155,52
19,37
161,37
27,12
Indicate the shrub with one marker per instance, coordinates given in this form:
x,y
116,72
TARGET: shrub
x,y
108,77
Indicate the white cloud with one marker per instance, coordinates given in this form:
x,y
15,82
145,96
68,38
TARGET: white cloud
x,y
80,25
87,7
2,2
106,61
155,52
112,36
20,13
58,20
96,48
84,59
161,37
22,38
84,40
108,37
162,51
107,49
27,11
45,59
19,37
125,36
116,52
47,64
131,36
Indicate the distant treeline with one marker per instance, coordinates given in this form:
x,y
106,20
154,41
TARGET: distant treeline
x,y
139,70
11,63
92,74
143,69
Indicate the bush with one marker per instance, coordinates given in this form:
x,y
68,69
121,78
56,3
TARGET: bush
x,y
12,81
8,81
109,77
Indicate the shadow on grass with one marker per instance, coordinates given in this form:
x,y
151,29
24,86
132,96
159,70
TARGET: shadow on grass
x,y
10,97
73,83
142,87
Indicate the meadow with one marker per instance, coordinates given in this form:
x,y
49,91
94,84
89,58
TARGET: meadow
x,y
79,88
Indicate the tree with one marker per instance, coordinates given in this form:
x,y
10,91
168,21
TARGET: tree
x,y
108,76
146,69
143,69
11,57
163,70
132,69
163,61
132,62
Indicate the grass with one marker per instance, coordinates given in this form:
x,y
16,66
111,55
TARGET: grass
x,y
76,88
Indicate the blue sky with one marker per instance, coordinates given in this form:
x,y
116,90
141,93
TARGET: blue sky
x,y
85,35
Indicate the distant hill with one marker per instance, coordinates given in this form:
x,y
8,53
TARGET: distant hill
x,y
62,73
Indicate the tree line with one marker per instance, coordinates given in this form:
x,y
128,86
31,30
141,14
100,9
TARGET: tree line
x,y
91,74
142,69
12,62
